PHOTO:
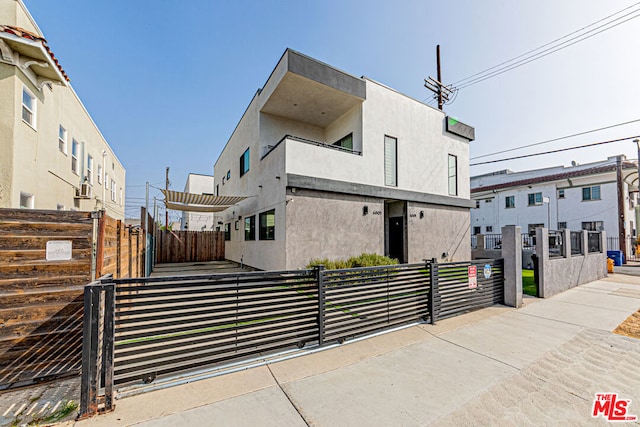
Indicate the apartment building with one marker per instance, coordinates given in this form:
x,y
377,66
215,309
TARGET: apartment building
x,y
52,154
334,165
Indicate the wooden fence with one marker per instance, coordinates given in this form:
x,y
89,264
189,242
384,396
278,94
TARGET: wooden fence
x,y
189,246
120,250
41,301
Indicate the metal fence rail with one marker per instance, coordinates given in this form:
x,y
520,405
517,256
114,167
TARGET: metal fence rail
x,y
170,325
455,296
364,300
166,327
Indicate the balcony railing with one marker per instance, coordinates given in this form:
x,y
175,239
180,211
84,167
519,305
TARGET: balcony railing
x,y
311,142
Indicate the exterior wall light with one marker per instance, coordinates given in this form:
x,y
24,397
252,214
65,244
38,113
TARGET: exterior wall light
x,y
365,210
421,214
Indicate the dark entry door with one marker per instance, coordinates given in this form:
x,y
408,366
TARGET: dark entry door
x,y
396,238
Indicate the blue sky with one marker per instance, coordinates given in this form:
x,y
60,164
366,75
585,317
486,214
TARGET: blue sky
x,y
167,81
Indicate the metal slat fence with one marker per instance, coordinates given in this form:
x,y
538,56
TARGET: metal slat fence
x,y
176,325
454,295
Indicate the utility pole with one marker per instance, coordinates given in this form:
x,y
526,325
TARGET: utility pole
x,y
436,86
166,210
621,234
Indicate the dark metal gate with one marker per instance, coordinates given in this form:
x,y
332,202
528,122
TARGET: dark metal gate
x,y
164,326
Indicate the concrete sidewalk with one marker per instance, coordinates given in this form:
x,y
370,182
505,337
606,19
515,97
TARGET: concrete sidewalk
x,y
539,365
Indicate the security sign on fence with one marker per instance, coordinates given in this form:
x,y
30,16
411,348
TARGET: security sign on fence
x,y
473,276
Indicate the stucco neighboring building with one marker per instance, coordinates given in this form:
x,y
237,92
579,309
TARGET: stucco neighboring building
x,y
336,165
578,197
52,154
198,221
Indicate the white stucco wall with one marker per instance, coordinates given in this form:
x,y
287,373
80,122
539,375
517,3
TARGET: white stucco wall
x,y
197,221
422,153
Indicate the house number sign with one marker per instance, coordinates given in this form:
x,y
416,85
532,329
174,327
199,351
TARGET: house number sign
x,y
59,250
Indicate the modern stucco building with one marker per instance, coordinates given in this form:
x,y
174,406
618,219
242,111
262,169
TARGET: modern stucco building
x,y
336,165
578,197
52,154
198,221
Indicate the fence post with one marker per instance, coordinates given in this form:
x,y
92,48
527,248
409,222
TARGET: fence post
x,y
90,374
432,265
512,264
318,270
108,343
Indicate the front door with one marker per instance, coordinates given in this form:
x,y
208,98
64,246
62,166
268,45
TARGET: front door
x,y
396,238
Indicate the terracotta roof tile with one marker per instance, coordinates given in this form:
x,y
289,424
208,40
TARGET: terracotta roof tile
x,y
21,32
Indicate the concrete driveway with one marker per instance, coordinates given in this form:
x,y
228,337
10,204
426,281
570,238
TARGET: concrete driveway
x,y
539,365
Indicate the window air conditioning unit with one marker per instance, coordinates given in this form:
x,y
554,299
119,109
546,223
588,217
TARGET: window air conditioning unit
x,y
84,192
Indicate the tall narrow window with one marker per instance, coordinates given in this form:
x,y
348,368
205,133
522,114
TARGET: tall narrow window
x,y
113,190
453,175
74,157
90,169
227,231
28,107
99,174
390,161
244,162
62,139
268,225
250,228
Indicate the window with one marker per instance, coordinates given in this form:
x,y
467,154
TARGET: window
x,y
229,174
535,199
113,190
477,230
217,189
561,193
477,204
268,225
390,161
510,202
250,228
562,225
591,193
227,231
90,169
74,157
453,175
244,163
593,225
345,142
532,228
28,108
489,228
99,174
62,139
26,200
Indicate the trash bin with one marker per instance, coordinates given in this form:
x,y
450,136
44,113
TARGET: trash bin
x,y
616,256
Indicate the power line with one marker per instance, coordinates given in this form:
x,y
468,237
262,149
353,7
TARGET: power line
x,y
556,151
554,139
485,74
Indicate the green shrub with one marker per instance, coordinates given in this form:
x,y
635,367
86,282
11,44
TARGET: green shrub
x,y
364,260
